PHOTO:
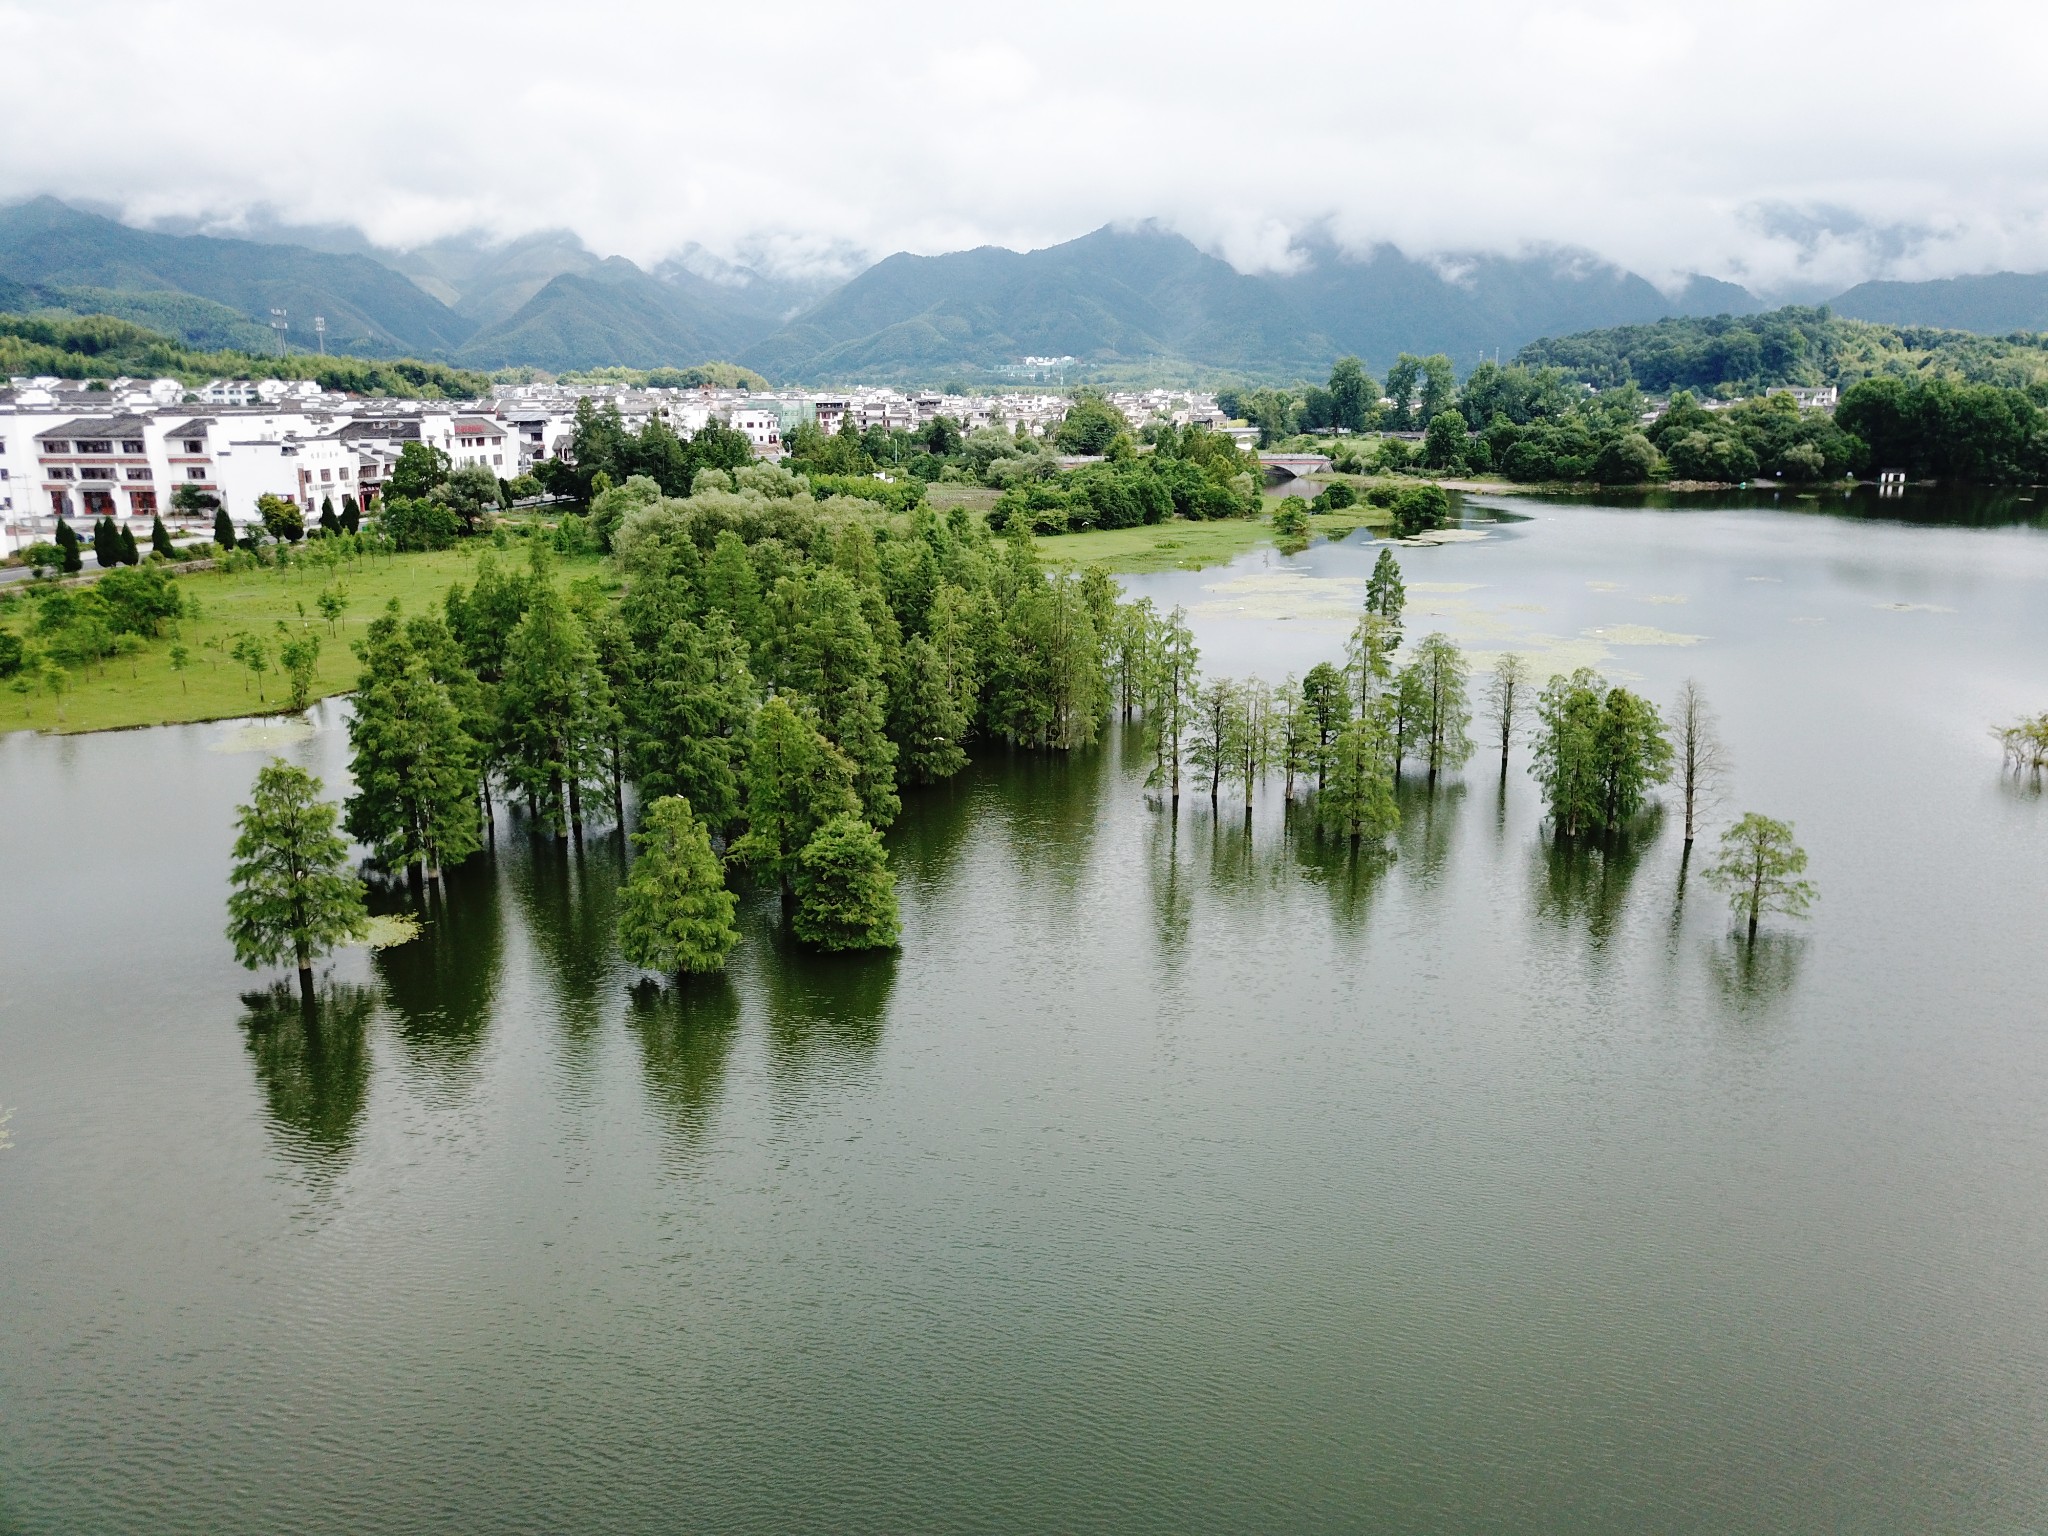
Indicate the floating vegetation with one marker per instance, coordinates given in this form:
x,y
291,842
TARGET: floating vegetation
x,y
1912,608
1640,634
265,738
391,929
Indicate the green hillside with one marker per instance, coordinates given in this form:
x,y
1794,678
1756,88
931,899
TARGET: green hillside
x,y
103,347
1799,346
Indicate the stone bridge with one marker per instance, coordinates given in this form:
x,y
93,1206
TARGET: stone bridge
x,y
1293,466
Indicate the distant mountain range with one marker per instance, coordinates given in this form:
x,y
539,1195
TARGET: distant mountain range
x,y
1134,299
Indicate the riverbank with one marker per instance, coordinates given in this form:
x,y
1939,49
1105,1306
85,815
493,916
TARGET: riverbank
x,y
144,689
1180,545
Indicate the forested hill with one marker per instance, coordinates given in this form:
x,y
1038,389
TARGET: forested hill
x,y
100,347
1795,345
1145,298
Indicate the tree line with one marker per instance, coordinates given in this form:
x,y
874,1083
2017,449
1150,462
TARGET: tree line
x,y
772,673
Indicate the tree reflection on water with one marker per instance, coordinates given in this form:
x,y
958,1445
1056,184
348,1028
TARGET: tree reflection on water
x,y
312,1062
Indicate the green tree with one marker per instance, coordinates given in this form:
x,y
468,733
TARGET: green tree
x,y
551,702
1761,868
796,782
1439,387
351,515
1209,742
1387,595
1507,700
414,765
281,518
294,896
675,913
1170,711
1443,674
329,523
1326,707
106,543
931,721
689,718
253,654
1401,381
332,603
1132,652
160,537
223,530
830,655
1090,425
472,494
1443,446
421,469
129,553
1357,798
845,893
1353,398
298,655
1696,745
1597,751
67,541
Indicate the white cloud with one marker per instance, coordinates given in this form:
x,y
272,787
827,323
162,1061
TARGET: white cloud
x,y
1813,143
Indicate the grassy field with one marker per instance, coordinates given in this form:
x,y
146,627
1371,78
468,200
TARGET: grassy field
x,y
1180,545
143,689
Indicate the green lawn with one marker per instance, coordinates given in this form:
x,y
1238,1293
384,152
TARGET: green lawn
x,y
1181,545
143,690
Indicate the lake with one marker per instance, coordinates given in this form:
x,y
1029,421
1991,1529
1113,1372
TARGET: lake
x,y
1175,1175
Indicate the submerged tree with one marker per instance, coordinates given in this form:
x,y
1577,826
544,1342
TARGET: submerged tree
x,y
675,913
294,896
845,894
1386,595
1357,799
1325,707
796,782
1507,700
1441,674
1171,706
415,765
1761,868
1696,746
1598,752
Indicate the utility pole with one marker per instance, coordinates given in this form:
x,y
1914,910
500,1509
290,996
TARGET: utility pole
x,y
320,332
277,324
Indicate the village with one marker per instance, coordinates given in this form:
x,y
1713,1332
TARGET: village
x,y
136,450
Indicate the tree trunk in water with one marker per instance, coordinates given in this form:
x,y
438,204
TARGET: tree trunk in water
x,y
306,983
618,787
555,807
576,807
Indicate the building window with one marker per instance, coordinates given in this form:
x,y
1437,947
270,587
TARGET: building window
x,y
326,474
56,447
195,474
95,474
60,474
139,474
95,445
131,446
193,445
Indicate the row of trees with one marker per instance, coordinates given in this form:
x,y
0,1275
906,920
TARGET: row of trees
x,y
777,670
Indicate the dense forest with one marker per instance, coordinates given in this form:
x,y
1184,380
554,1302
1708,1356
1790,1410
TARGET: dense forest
x,y
1746,354
100,347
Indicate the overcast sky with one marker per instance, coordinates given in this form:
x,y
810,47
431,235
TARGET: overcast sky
x,y
1794,142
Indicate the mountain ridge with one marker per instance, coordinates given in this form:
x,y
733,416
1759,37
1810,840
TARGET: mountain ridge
x,y
1134,297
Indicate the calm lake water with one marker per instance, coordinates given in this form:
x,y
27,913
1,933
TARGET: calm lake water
x,y
1174,1177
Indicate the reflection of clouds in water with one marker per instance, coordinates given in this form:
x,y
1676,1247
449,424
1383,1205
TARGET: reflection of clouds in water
x,y
1603,586
1664,597
1805,619
1911,608
1776,581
